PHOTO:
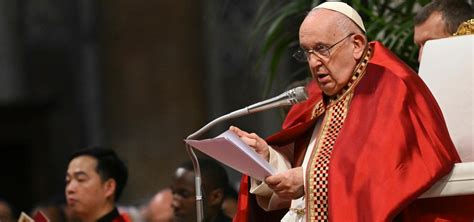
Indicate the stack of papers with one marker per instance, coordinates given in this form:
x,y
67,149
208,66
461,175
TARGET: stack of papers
x,y
230,150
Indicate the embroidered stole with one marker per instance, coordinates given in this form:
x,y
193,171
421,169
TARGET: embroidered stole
x,y
318,167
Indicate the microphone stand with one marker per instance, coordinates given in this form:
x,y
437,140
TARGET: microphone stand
x,y
290,97
194,159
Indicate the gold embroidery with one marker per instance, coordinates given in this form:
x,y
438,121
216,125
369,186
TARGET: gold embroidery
x,y
466,28
298,211
318,109
319,166
317,171
359,71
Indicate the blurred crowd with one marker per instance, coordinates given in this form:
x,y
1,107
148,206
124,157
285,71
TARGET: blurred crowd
x,y
96,176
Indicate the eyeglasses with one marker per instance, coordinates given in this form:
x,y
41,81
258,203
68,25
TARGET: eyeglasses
x,y
322,51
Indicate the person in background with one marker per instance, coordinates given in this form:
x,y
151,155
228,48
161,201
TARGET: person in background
x,y
6,211
54,208
52,212
229,205
214,182
95,180
159,208
436,20
440,19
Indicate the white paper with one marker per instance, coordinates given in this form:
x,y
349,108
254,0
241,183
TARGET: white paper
x,y
25,218
230,150
447,68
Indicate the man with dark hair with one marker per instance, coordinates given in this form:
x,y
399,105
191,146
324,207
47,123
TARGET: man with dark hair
x,y
214,182
440,19
94,182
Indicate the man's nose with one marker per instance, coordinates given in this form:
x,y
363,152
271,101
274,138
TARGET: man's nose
x,y
176,206
314,61
176,201
71,187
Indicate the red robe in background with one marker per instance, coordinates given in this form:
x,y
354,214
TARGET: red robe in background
x,y
392,147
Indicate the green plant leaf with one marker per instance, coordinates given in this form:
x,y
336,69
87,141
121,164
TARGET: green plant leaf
x,y
278,22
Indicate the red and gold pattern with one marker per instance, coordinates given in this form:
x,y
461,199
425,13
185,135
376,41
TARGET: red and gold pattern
x,y
317,171
318,109
415,153
319,166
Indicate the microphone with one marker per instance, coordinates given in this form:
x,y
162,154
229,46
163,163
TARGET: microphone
x,y
290,97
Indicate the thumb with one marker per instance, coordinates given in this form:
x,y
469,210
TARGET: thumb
x,y
272,180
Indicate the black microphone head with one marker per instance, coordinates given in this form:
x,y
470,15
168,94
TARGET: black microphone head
x,y
297,95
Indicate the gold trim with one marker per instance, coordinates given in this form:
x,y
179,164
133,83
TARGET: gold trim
x,y
318,109
357,74
465,28
299,211
318,167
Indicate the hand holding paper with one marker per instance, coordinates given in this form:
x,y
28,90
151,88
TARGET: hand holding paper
x,y
232,151
254,141
287,184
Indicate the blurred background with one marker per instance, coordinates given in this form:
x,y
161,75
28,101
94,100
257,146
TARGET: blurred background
x,y
136,76
140,76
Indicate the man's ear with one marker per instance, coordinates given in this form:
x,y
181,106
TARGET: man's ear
x,y
216,197
359,41
109,187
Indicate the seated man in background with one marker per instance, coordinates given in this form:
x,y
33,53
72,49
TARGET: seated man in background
x,y
214,181
440,19
94,181
436,20
159,208
229,204
6,211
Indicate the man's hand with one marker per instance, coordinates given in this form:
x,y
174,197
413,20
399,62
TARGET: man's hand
x,y
288,184
254,141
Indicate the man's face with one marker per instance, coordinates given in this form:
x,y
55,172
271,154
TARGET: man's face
x,y
6,213
184,196
85,191
334,71
160,207
432,28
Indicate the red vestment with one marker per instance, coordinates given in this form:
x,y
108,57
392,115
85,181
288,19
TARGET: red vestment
x,y
392,147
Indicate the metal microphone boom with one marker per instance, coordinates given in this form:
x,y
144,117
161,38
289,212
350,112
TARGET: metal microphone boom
x,y
290,97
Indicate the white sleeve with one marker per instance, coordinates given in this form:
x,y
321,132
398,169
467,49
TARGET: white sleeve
x,y
265,197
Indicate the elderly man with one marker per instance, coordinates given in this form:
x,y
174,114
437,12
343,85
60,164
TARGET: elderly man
x,y
440,19
94,181
368,141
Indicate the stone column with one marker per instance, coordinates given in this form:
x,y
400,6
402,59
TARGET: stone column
x,y
12,86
